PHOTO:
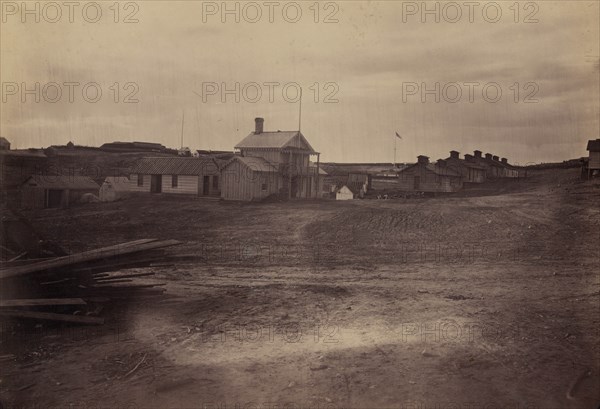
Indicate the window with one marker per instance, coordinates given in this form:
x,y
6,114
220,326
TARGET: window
x,y
215,182
140,180
174,180
263,187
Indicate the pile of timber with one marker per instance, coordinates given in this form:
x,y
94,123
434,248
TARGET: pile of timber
x,y
73,288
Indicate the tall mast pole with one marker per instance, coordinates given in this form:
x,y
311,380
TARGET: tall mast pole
x,y
395,141
182,120
300,111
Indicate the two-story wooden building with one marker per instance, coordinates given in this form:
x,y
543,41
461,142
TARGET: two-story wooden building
x,y
271,163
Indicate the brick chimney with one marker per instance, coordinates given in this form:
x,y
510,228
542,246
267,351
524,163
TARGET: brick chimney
x,y
422,159
488,156
503,160
477,154
454,154
258,125
469,158
496,158
441,163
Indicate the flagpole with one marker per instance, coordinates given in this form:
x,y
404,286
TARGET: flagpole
x,y
395,137
300,111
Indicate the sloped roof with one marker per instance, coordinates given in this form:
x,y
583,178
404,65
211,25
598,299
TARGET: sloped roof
x,y
347,187
313,165
493,162
593,145
275,140
62,182
442,171
4,140
255,164
175,166
355,187
464,162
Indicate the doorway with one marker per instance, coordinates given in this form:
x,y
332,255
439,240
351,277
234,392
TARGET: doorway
x,y
206,185
54,198
294,187
417,183
155,183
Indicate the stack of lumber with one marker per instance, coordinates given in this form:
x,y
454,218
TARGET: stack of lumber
x,y
67,288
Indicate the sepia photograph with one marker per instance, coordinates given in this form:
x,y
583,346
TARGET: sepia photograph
x,y
307,204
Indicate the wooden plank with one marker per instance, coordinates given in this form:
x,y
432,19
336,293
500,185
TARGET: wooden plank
x,y
113,277
139,260
25,302
126,287
64,280
114,280
50,316
98,254
18,256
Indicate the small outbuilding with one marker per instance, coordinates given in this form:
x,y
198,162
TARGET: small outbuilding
x,y
593,162
344,193
4,144
114,188
55,191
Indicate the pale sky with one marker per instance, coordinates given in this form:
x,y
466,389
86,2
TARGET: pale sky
x,y
367,58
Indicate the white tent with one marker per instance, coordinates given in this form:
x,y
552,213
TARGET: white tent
x,y
114,188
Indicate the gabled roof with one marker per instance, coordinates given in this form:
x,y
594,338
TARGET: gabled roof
x,y
593,145
347,187
175,166
62,182
255,164
4,140
275,140
355,187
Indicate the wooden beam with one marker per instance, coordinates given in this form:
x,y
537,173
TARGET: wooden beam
x,y
49,316
26,302
114,280
18,256
114,277
105,252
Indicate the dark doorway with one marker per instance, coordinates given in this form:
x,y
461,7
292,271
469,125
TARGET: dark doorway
x,y
205,185
294,187
417,184
54,198
155,183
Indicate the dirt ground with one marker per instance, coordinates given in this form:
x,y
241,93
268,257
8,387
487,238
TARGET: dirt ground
x,y
472,301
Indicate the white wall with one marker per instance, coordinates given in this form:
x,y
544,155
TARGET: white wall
x,y
186,184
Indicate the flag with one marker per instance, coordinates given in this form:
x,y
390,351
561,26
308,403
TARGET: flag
x,y
398,135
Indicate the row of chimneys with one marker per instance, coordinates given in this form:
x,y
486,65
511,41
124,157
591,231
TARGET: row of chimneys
x,y
454,155
489,156
260,122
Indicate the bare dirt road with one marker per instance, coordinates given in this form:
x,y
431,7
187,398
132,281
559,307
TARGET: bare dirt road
x,y
459,302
